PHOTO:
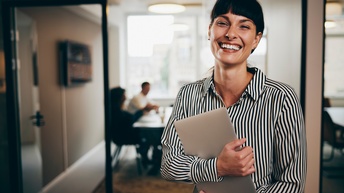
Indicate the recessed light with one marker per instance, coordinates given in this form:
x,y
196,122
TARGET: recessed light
x,y
166,8
330,24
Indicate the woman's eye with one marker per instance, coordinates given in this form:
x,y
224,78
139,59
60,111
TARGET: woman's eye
x,y
245,27
222,23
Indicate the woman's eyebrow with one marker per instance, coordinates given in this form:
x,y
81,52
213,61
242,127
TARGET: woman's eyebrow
x,y
246,20
241,20
224,17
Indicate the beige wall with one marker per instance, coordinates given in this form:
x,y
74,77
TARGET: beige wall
x,y
313,108
74,116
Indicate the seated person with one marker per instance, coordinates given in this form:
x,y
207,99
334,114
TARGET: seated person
x,y
122,122
123,131
141,101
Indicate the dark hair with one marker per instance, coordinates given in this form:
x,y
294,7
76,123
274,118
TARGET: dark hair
x,y
144,84
116,97
247,8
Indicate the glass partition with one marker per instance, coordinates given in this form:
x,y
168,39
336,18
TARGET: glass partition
x,y
53,126
333,101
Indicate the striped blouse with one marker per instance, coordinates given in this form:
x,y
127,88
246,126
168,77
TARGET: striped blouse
x,y
268,115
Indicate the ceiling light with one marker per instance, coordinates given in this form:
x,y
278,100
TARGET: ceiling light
x,y
166,8
330,24
334,8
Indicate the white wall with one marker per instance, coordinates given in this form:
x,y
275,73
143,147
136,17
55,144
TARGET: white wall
x,y
114,56
117,32
283,25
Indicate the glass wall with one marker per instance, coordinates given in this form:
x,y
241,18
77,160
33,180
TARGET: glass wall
x,y
334,49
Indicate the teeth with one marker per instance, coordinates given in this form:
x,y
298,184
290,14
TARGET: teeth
x,y
231,47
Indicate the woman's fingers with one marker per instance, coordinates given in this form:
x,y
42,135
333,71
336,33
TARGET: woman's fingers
x,y
236,160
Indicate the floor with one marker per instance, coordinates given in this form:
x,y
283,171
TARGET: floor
x,y
332,174
82,176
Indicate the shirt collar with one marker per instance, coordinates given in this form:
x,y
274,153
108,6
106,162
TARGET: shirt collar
x,y
254,88
257,83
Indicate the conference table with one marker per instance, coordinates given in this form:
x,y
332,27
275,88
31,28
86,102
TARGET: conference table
x,y
151,126
337,114
154,120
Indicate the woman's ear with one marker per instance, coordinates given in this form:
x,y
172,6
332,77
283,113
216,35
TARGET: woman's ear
x,y
209,31
257,39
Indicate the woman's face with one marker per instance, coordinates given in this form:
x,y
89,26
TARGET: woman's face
x,y
232,38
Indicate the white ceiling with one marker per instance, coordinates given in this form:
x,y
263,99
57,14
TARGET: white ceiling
x,y
142,5
132,5
155,1
194,6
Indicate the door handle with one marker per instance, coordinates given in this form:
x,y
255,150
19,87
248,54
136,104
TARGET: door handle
x,y
38,119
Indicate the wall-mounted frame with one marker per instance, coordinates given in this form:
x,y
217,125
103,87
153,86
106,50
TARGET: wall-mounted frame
x,y
75,63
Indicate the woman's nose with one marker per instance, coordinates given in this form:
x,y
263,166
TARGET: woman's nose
x,y
231,33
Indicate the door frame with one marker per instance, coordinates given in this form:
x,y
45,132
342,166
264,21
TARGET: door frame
x,y
12,109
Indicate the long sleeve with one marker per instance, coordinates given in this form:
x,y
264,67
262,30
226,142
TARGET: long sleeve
x,y
175,164
289,149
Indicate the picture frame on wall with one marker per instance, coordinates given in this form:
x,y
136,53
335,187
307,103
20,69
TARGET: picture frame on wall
x,y
75,63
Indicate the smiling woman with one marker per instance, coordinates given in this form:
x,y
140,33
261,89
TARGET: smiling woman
x,y
271,150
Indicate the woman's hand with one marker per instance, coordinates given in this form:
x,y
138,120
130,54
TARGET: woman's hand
x,y
234,160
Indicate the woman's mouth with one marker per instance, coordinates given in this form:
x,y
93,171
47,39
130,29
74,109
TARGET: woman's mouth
x,y
229,46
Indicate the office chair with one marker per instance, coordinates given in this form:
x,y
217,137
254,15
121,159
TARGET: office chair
x,y
330,130
120,144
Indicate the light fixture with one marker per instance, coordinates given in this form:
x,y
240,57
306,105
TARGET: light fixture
x,y
334,8
330,24
166,8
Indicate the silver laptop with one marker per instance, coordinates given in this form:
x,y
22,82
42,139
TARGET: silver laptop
x,y
204,135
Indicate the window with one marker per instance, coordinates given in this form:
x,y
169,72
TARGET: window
x,y
334,66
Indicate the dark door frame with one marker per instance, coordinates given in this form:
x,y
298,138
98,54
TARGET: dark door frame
x,y
8,21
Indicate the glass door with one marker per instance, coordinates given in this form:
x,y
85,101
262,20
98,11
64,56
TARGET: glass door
x,y
40,154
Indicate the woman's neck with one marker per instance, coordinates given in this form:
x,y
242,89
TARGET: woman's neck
x,y
231,83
